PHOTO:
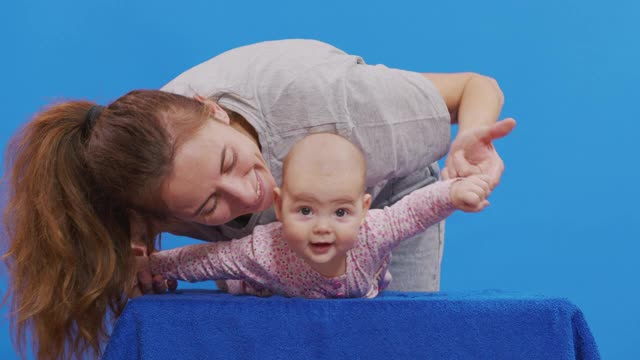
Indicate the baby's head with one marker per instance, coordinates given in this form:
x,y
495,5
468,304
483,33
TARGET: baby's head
x,y
322,202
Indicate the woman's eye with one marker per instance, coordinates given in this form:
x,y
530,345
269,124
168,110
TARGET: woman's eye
x,y
208,212
305,211
341,212
231,162
212,209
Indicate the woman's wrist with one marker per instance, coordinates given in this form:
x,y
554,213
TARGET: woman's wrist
x,y
480,104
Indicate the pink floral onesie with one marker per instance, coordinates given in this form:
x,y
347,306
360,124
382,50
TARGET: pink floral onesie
x,y
262,263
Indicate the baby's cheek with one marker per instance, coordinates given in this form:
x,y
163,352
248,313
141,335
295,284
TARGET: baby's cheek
x,y
348,238
294,234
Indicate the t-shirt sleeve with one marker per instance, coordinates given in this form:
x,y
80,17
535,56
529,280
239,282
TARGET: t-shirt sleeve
x,y
412,214
397,117
212,261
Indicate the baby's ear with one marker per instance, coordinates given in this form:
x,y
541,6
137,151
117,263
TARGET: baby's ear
x,y
277,202
366,204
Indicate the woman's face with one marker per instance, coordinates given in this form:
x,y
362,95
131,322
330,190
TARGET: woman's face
x,y
218,174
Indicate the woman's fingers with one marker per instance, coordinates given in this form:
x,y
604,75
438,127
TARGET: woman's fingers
x,y
461,167
133,290
145,282
498,130
159,284
172,285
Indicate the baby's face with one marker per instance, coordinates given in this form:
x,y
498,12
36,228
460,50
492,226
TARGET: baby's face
x,y
321,215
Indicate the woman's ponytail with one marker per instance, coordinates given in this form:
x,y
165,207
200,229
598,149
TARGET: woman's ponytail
x,y
69,244
75,173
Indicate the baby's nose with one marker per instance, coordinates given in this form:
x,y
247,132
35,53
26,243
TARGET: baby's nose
x,y
321,227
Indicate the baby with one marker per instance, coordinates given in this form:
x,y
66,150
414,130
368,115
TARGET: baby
x,y
327,243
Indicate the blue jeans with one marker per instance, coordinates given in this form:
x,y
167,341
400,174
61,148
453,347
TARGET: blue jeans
x,y
415,263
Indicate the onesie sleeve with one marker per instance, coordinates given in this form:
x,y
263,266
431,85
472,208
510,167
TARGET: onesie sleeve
x,y
412,214
212,261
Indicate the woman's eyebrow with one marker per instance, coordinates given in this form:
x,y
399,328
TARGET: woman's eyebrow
x,y
222,156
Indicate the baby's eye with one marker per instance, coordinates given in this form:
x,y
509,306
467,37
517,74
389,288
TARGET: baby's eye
x,y
341,212
305,211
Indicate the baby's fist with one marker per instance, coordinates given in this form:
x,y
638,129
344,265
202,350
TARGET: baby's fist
x,y
470,193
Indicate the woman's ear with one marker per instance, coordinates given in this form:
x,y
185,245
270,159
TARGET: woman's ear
x,y
216,110
277,202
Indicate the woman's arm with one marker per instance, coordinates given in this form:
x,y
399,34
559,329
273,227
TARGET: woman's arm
x,y
472,99
474,102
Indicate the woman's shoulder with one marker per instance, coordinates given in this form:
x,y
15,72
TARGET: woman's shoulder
x,y
287,44
243,71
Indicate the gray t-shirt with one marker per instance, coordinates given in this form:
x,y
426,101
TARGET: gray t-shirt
x,y
288,88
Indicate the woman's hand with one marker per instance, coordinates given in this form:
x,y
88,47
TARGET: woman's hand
x,y
474,102
470,194
472,152
145,282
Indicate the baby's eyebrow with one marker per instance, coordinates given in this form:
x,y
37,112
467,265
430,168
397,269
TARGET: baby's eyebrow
x,y
304,196
343,202
307,196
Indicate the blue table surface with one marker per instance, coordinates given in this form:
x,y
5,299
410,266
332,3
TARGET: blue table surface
x,y
208,324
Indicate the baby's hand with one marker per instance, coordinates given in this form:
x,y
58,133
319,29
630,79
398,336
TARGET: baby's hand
x,y
470,193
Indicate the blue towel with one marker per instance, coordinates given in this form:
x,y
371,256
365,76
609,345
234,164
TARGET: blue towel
x,y
489,325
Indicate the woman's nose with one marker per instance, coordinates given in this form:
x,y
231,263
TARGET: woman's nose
x,y
239,190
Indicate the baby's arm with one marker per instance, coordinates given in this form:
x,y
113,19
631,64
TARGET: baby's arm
x,y
425,207
212,261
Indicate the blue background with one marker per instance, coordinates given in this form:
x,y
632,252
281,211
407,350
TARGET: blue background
x,y
560,224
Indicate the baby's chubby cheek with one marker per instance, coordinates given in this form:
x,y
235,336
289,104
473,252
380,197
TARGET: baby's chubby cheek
x,y
347,243
296,239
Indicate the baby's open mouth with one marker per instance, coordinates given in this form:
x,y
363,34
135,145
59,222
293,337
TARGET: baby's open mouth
x,y
321,247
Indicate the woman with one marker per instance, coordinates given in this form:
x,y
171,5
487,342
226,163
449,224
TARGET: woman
x,y
87,181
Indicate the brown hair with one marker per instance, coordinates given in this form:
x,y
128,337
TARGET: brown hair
x,y
70,193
